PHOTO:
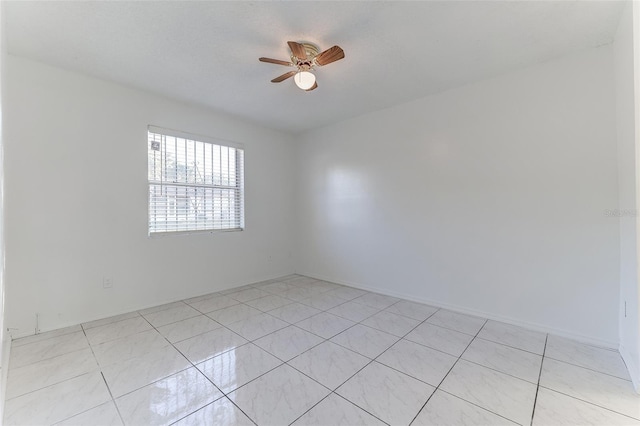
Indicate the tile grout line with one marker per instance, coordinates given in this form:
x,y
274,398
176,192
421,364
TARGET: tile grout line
x,y
101,375
224,395
319,294
249,342
587,368
510,346
535,399
448,372
489,368
113,400
333,391
43,339
371,361
590,403
90,346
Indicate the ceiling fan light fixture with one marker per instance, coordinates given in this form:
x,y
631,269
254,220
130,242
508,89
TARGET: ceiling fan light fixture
x,y
304,80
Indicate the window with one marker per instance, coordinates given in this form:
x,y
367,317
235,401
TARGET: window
x,y
195,184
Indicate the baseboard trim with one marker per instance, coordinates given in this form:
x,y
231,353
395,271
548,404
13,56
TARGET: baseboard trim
x,y
18,335
470,311
632,367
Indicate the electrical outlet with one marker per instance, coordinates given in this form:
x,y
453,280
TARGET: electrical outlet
x,y
107,282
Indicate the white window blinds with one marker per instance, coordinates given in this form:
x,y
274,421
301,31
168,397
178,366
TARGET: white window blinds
x,y
194,184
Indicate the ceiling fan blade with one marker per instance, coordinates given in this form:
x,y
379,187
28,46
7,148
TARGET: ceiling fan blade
x,y
284,76
298,50
276,61
315,86
332,54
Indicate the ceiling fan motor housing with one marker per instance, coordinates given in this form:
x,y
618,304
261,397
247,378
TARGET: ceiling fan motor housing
x,y
306,64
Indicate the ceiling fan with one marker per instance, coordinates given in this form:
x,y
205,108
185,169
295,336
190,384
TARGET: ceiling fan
x,y
305,57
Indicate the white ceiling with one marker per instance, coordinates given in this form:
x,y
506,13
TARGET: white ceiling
x,y
207,52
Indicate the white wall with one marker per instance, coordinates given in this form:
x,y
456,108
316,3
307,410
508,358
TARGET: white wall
x,y
76,194
627,188
489,198
627,62
5,341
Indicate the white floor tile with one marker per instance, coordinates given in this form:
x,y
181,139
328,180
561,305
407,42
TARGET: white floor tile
x,y
109,320
268,303
388,394
200,298
279,397
323,301
354,311
446,409
277,287
417,311
50,371
325,286
128,347
597,388
49,348
553,408
294,312
126,376
347,293
391,323
117,330
257,326
168,400
505,395
288,342
188,328
237,367
337,411
161,307
221,412
375,300
599,359
329,364
456,321
365,340
421,362
169,316
102,415
213,304
514,336
442,339
380,357
300,280
325,325
247,294
298,294
57,402
44,336
210,344
313,289
226,316
516,362
237,289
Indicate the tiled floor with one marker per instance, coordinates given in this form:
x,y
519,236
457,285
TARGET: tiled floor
x,y
307,352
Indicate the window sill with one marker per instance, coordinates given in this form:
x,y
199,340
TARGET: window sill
x,y
201,231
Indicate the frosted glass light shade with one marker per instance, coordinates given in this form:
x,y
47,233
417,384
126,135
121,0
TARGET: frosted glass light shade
x,y
304,80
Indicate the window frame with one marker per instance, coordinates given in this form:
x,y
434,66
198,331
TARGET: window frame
x,y
240,179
